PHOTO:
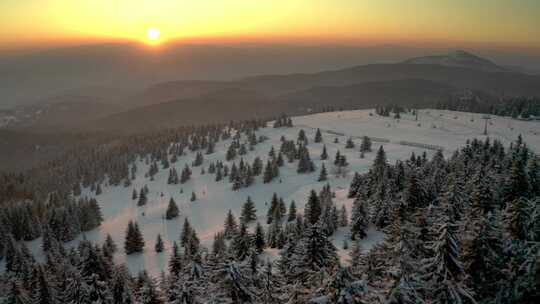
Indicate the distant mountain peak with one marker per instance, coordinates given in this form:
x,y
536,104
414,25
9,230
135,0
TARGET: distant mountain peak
x,y
459,58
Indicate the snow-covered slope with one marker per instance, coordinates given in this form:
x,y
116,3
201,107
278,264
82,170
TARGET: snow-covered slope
x,y
446,129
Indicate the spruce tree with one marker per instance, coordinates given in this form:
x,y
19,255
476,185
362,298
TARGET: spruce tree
x,y
142,198
324,154
444,269
292,212
175,261
359,219
517,218
302,138
249,213
379,164
17,294
313,206
172,210
231,153
365,146
318,136
109,247
533,173
305,165
258,239
134,240
159,244
148,293
230,227
343,217
312,253
268,173
323,176
516,185
413,196
271,286
257,166
121,291
241,244
186,233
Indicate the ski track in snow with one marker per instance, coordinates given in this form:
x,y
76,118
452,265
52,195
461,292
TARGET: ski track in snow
x,y
208,212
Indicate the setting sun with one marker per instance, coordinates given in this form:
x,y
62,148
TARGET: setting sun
x,y
153,35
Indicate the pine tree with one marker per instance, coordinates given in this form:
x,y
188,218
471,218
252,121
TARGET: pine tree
x,y
241,244
483,256
219,175
318,136
148,293
282,209
192,246
159,244
231,227
193,196
379,164
302,138
312,253
249,213
517,217
516,185
109,247
359,219
533,173
323,176
175,261
98,189
343,217
413,196
134,195
444,269
172,210
121,291
481,196
199,159
365,146
186,233
134,241
142,198
258,239
313,210
268,172
356,255
43,292
257,166
231,153
292,212
349,144
185,175
324,154
17,294
305,165
279,160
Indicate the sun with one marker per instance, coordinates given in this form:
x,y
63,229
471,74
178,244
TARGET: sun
x,y
153,35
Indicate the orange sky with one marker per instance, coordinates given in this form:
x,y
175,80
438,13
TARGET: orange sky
x,y
494,23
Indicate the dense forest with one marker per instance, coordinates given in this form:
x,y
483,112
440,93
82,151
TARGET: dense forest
x,y
465,229
515,107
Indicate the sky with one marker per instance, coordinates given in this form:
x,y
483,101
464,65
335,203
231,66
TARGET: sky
x,y
500,23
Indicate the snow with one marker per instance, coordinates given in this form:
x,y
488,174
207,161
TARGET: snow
x,y
207,213
448,129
